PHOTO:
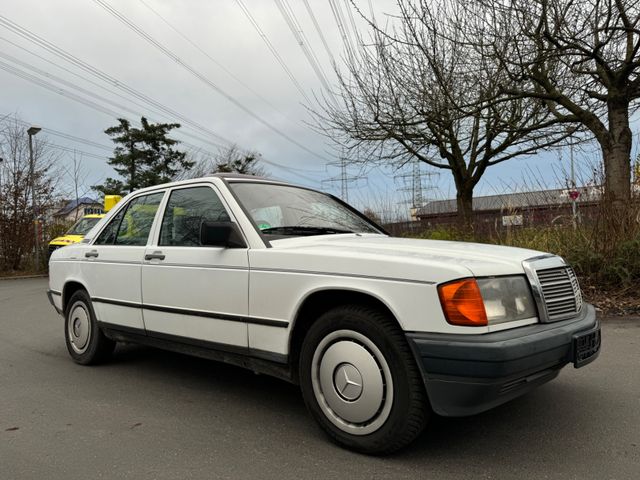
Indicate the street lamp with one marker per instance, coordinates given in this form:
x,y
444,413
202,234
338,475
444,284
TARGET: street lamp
x,y
31,131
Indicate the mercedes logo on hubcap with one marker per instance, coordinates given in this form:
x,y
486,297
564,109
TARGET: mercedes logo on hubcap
x,y
348,382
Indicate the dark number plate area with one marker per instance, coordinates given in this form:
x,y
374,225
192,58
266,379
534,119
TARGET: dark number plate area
x,y
586,348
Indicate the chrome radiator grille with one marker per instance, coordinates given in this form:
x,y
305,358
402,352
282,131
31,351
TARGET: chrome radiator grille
x,y
560,292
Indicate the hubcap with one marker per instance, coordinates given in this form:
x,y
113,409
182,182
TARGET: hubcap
x,y
348,382
79,327
352,382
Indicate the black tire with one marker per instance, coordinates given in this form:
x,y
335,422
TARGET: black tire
x,y
327,346
86,343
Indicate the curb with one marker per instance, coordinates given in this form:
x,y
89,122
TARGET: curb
x,y
24,277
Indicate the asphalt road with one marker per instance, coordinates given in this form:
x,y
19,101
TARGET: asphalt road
x,y
153,414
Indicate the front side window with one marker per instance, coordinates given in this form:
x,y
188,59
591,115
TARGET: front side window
x,y
131,225
284,210
186,209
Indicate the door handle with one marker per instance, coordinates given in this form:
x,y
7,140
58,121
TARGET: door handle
x,y
92,253
154,256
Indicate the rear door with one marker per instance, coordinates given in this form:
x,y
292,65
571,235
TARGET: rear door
x,y
193,293
113,262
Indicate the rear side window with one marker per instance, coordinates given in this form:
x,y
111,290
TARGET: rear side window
x,y
131,225
186,209
82,226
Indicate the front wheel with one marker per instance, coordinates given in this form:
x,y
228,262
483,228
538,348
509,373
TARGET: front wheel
x,y
85,341
360,381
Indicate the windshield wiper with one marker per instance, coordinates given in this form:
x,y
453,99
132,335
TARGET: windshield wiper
x,y
300,230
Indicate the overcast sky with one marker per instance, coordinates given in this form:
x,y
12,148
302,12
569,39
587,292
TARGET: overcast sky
x,y
267,107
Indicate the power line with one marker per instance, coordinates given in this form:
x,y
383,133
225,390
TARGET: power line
x,y
66,83
71,95
273,50
123,19
60,53
291,170
100,75
289,17
51,48
61,91
319,31
67,136
74,150
344,33
58,133
103,76
211,58
168,116
73,138
347,7
372,13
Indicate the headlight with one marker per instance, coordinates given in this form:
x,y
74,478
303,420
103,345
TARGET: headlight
x,y
506,299
486,301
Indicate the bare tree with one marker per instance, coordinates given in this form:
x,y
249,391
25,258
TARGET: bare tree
x,y
420,91
228,160
580,57
78,175
16,208
235,160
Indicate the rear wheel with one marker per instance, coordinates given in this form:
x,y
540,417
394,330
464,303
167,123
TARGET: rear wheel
x,y
85,341
360,382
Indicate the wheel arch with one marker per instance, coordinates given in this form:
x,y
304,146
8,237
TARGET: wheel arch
x,y
319,301
70,287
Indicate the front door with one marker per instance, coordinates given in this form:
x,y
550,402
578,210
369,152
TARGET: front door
x,y
193,293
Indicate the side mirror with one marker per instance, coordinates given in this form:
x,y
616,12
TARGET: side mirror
x,y
221,234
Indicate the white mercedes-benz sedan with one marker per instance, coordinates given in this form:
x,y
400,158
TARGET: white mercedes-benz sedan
x,y
378,332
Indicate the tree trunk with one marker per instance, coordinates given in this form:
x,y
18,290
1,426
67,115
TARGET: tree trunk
x,y
464,200
616,155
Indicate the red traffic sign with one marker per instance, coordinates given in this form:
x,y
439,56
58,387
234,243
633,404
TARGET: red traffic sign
x,y
574,194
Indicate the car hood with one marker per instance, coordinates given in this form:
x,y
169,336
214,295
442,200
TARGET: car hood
x,y
66,239
431,260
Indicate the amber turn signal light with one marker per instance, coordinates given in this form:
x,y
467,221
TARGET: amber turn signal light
x,y
462,303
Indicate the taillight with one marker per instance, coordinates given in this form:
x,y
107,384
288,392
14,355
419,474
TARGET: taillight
x,y
462,303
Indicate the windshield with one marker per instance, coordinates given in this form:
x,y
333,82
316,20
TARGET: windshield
x,y
285,210
83,226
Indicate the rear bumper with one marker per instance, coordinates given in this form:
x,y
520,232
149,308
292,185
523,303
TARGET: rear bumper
x,y
468,374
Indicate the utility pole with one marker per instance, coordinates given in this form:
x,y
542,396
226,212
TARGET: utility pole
x,y
31,132
344,178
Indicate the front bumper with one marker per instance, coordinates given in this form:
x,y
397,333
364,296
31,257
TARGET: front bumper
x,y
50,295
468,374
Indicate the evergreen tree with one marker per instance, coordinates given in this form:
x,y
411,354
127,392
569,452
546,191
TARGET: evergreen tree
x,y
143,156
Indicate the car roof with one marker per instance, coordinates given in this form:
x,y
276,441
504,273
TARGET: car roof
x,y
223,176
238,175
